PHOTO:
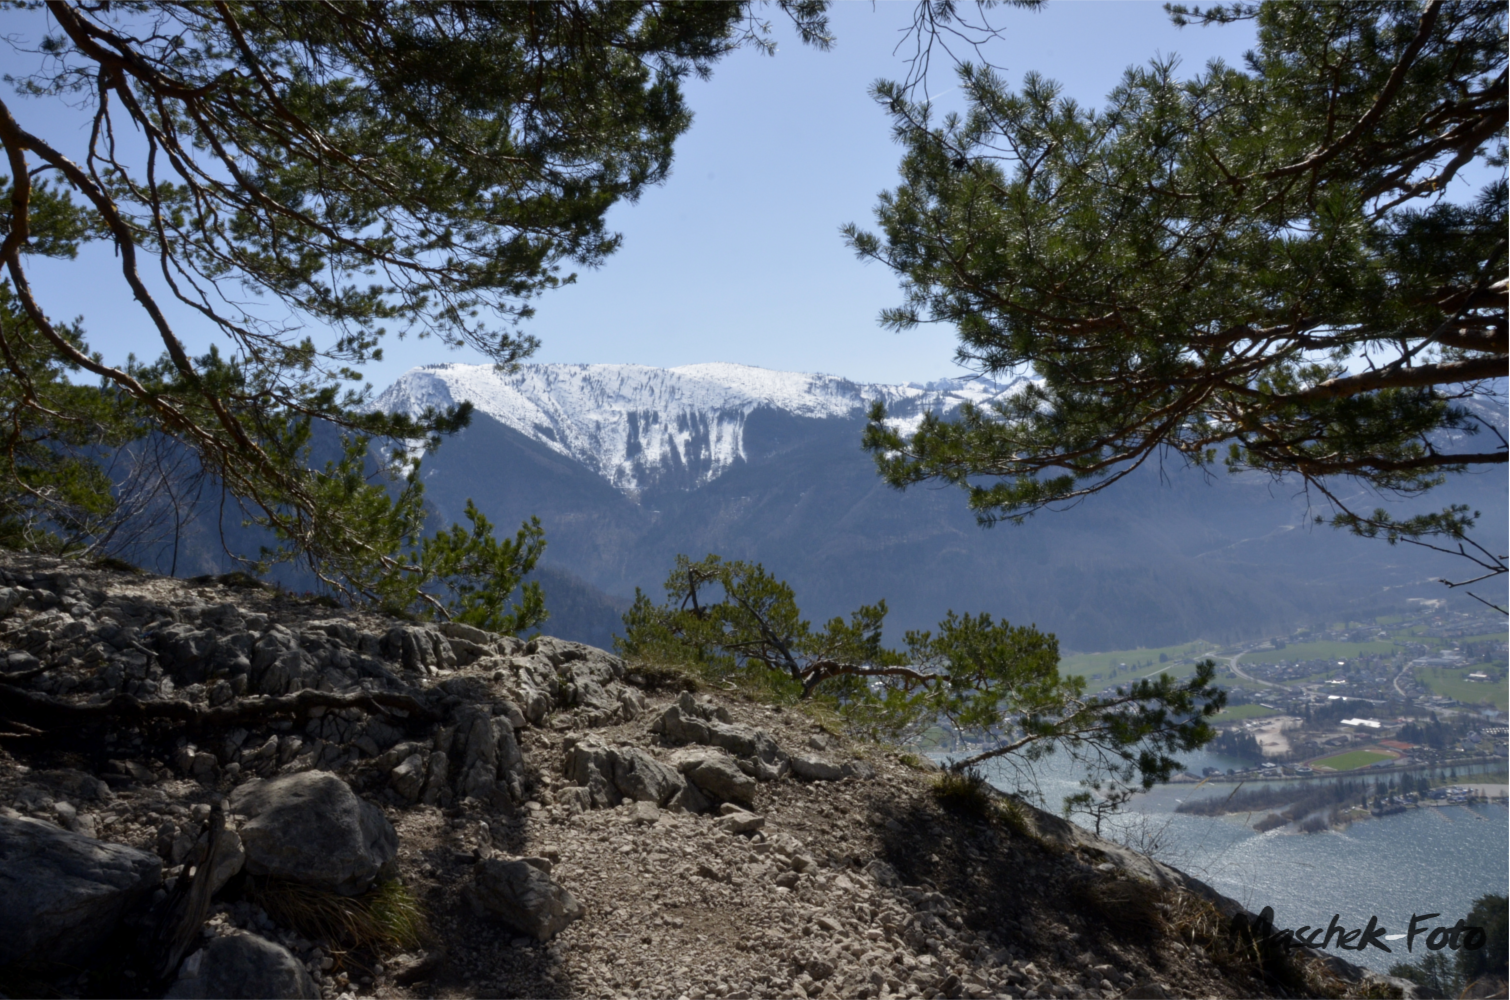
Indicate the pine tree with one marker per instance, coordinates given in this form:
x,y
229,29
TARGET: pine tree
x,y
421,169
732,621
1253,267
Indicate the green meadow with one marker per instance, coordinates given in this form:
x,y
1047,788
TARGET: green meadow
x,y
1352,760
1449,682
1237,713
1140,662
1318,651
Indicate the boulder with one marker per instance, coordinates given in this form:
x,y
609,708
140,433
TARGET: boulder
x,y
736,820
522,896
641,777
64,892
470,633
611,774
232,858
419,648
408,778
533,685
575,800
312,828
816,769
714,772
242,965
691,722
278,665
491,766
689,799
589,767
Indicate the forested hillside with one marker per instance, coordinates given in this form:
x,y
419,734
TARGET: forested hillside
x,y
1171,555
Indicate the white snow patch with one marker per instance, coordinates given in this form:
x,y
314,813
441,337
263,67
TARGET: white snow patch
x,y
628,423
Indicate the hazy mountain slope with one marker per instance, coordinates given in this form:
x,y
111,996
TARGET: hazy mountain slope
x,y
579,609
1146,563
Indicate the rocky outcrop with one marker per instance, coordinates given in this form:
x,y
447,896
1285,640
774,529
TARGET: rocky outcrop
x,y
607,775
313,829
242,965
609,840
63,893
716,774
691,721
523,896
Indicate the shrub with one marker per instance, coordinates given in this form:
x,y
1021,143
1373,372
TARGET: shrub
x,y
964,791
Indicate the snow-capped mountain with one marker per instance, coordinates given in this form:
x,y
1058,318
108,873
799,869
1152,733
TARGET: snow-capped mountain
x,y
628,467
636,426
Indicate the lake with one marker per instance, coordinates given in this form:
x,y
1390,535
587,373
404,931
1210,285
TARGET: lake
x,y
1436,860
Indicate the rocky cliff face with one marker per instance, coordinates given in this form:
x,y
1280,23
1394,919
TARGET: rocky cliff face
x,y
642,428
202,781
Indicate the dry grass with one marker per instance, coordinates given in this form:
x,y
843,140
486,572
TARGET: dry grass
x,y
668,676
912,760
1016,817
1196,922
387,916
966,792
1134,905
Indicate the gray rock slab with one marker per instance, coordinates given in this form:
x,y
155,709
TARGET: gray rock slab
x,y
641,777
523,897
232,860
816,769
740,821
242,965
692,722
714,772
610,774
313,829
64,892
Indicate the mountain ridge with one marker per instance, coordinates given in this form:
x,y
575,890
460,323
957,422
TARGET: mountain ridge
x,y
638,426
1170,554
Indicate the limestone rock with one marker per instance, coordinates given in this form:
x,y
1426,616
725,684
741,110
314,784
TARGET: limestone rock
x,y
816,769
408,778
740,821
313,829
419,648
232,859
691,722
64,892
242,965
611,774
589,767
713,771
641,777
490,764
523,897
279,666
689,799
471,633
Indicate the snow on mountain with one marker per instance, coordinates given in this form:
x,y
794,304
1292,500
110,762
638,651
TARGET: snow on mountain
x,y
631,424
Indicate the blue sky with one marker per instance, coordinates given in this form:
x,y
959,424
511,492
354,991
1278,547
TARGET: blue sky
x,y
738,256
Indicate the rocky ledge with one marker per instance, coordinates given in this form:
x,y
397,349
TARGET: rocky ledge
x,y
205,785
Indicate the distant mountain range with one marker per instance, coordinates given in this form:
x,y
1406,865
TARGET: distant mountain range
x,y
627,466
654,430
